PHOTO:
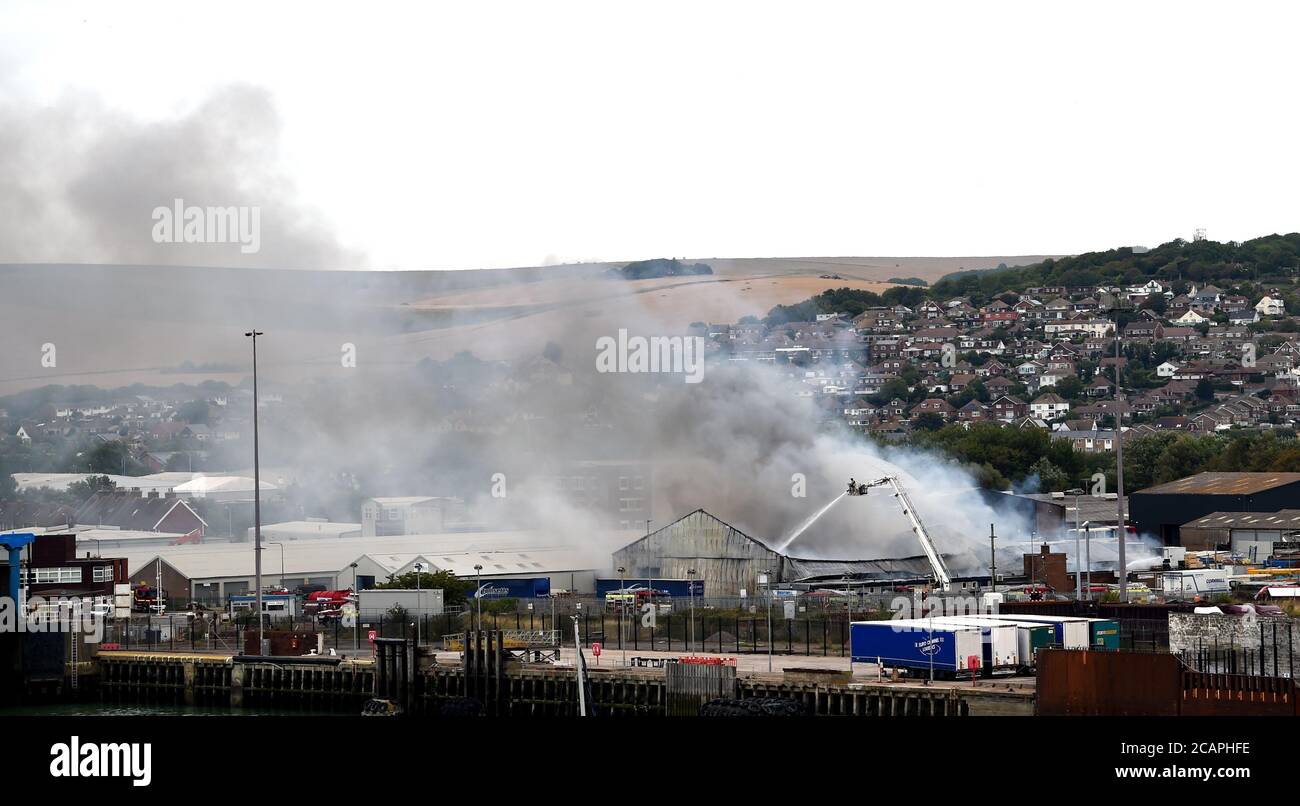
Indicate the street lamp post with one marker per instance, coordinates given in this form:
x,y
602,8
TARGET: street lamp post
x,y
356,619
1119,466
1087,556
767,584
419,567
622,594
690,583
478,596
257,505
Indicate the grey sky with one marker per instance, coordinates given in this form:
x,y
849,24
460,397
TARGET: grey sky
x,y
471,135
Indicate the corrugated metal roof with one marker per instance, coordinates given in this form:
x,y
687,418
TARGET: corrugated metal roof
x,y
798,570
1284,519
1224,484
458,552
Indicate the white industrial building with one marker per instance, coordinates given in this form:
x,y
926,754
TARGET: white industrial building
x,y
409,515
212,572
310,529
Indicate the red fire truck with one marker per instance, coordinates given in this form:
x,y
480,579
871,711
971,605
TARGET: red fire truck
x,y
327,606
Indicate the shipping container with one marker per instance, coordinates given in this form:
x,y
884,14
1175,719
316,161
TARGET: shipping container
x,y
526,588
913,644
1104,633
1030,637
423,602
1072,632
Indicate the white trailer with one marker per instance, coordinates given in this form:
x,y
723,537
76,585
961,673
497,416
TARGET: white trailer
x,y
1030,635
1072,632
1001,640
1195,585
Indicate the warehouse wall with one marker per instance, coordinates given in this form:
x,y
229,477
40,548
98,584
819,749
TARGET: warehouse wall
x,y
1161,514
723,557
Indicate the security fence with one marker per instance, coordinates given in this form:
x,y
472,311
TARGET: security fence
x,y
818,634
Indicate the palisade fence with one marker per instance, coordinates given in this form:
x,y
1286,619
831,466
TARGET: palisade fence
x,y
718,625
1271,651
814,631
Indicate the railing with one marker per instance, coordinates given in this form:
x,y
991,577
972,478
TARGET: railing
x,y
512,639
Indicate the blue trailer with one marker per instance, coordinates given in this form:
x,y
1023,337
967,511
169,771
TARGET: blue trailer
x,y
527,588
917,644
661,587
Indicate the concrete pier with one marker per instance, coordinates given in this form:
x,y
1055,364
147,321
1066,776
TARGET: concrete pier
x,y
526,690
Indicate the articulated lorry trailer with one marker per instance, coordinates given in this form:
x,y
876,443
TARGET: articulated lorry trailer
x,y
1071,632
1030,636
1001,651
916,645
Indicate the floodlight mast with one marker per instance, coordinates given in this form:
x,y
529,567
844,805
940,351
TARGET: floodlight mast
x,y
937,566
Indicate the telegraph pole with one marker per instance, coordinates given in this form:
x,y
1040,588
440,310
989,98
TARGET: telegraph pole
x,y
993,561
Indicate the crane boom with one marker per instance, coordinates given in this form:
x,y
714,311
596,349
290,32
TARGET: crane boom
x,y
937,566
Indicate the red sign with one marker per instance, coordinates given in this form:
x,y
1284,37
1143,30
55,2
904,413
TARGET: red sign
x,y
595,648
371,636
706,660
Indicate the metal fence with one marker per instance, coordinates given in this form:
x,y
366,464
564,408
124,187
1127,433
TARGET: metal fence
x,y
1273,653
672,632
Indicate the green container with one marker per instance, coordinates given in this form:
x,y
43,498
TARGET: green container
x,y
1104,633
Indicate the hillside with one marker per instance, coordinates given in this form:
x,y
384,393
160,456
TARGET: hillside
x,y
159,325
1272,258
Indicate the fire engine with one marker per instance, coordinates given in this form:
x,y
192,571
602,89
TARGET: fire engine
x,y
327,606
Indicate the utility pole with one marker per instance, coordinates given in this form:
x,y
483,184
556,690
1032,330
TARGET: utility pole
x,y
622,603
257,506
478,596
419,604
767,579
1119,469
690,583
993,560
1078,557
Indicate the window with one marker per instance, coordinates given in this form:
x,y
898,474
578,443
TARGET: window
x,y
622,482
49,576
102,573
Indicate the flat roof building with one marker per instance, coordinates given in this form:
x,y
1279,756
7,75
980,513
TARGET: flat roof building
x,y
1162,510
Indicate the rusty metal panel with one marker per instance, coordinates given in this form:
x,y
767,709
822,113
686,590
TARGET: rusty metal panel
x,y
1074,682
